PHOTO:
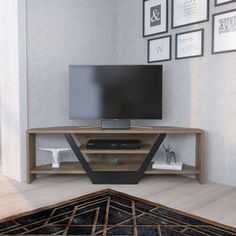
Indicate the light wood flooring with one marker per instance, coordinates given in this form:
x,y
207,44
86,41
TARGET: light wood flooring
x,y
213,201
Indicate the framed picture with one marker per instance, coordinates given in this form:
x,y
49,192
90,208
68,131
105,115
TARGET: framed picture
x,y
155,17
224,32
159,49
189,44
188,12
222,2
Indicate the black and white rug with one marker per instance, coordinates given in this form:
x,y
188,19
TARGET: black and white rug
x,y
113,213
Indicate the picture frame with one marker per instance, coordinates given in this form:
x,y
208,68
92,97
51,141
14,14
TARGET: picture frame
x,y
160,49
189,44
224,32
155,17
223,2
185,12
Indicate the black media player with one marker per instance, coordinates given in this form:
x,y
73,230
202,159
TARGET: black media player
x,y
113,144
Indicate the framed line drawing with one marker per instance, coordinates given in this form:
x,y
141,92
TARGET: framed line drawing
x,y
224,32
222,2
159,49
155,17
189,44
189,12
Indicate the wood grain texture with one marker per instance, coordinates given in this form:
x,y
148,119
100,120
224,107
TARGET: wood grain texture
x,y
30,152
148,130
199,159
143,150
76,168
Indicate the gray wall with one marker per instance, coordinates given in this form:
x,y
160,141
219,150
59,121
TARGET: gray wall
x,y
198,92
60,33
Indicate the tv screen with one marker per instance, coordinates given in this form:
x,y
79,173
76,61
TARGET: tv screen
x,y
115,92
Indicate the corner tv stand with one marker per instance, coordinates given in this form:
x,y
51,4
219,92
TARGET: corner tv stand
x,y
133,164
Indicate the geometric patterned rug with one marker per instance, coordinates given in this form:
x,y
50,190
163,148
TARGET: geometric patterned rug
x,y
110,213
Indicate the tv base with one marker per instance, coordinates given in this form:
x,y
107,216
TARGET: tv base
x,y
115,124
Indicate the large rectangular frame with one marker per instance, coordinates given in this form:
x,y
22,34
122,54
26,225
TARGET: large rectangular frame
x,y
213,33
189,32
190,23
226,2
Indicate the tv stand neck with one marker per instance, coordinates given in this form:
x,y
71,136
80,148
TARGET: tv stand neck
x,y
115,124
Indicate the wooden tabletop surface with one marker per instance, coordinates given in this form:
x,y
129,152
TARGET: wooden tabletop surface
x,y
97,130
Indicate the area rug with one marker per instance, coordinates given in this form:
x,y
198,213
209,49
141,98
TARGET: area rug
x,y
109,212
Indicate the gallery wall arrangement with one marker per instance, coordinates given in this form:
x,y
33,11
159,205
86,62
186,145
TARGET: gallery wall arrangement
x,y
187,44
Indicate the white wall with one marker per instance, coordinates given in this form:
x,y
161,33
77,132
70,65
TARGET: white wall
x,y
198,92
13,87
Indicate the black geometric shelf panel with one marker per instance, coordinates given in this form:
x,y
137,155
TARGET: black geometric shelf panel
x,y
115,177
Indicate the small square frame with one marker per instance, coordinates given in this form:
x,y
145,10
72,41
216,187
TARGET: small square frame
x,y
159,29
168,48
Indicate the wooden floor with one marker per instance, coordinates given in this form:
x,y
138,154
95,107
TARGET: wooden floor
x,y
213,201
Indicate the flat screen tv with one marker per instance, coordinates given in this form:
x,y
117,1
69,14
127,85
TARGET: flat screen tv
x,y
108,92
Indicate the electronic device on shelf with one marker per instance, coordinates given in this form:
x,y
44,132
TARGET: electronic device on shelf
x,y
114,144
115,94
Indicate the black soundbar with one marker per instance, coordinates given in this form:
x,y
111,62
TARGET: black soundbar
x,y
113,144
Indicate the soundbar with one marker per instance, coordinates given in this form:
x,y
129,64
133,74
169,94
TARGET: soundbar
x,y
113,144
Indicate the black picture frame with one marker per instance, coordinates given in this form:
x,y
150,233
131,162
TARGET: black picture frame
x,y
166,28
189,32
213,33
220,4
170,49
195,22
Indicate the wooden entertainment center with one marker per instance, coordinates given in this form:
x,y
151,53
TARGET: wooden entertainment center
x,y
133,165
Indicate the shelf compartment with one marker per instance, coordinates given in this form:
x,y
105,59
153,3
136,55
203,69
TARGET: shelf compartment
x,y
145,149
186,170
65,168
76,168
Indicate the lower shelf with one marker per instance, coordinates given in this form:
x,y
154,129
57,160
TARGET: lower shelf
x,y
76,168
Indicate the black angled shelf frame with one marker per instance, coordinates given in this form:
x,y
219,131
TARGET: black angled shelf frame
x,y
115,177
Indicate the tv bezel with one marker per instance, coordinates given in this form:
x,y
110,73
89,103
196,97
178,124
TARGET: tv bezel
x,y
126,121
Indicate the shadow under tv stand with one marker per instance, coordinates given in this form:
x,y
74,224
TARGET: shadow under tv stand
x,y
133,164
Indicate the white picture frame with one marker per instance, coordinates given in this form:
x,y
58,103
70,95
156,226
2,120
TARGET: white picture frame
x,y
224,32
189,44
159,49
185,12
222,2
155,17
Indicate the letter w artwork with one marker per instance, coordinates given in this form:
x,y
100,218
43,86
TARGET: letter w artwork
x,y
155,15
159,49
